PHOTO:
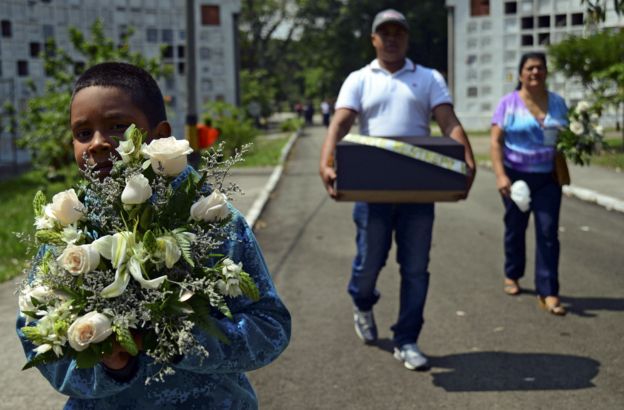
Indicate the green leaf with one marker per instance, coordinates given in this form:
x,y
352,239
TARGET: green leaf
x,y
146,217
248,286
43,358
39,202
185,246
126,340
87,359
204,320
149,241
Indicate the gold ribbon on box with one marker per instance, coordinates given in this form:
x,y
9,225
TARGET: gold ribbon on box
x,y
411,151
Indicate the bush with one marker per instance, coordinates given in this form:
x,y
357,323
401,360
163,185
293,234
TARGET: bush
x,y
291,124
235,128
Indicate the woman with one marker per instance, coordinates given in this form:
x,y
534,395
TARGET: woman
x,y
523,139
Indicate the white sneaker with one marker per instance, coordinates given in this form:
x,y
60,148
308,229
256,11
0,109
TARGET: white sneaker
x,y
365,326
411,357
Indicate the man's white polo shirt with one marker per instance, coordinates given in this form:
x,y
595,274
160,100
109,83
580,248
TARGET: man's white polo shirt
x,y
395,104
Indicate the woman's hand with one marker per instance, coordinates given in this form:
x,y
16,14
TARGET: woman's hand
x,y
503,184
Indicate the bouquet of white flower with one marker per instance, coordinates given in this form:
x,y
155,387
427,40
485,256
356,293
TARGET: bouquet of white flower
x,y
136,252
578,141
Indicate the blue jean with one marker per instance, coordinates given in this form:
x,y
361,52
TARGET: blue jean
x,y
545,205
413,224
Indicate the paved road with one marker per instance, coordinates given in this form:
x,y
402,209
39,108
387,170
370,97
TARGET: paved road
x,y
488,350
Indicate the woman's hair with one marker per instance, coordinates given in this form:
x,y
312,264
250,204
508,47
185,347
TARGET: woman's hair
x,y
536,55
136,82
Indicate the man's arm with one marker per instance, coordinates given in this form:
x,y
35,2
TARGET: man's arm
x,y
339,127
450,125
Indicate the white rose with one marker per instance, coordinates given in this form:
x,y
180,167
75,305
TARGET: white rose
x,y
137,190
79,259
582,107
576,127
167,155
41,293
125,150
599,129
65,208
93,327
210,208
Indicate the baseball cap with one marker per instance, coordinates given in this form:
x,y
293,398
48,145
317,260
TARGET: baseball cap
x,y
389,16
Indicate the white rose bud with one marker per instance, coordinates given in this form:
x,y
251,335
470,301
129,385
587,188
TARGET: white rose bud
x,y
167,155
230,268
65,208
211,208
79,259
576,127
93,327
137,190
125,150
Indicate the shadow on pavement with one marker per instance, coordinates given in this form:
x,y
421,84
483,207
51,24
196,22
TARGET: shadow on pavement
x,y
502,371
582,306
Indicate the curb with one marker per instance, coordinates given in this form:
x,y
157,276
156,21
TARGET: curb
x,y
256,208
584,194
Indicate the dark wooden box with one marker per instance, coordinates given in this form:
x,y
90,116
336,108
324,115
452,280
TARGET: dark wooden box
x,y
371,174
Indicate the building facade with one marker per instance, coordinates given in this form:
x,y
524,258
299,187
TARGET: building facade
x,y
27,24
486,40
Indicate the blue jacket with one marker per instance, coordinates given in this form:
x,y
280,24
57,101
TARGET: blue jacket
x,y
259,332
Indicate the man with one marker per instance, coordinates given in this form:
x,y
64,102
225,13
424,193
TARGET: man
x,y
393,97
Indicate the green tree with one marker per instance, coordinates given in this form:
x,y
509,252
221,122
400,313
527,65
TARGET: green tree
x,y
321,41
598,61
258,86
596,10
44,130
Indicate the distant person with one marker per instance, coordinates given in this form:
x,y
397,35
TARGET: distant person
x,y
325,112
402,112
309,113
299,109
207,135
523,140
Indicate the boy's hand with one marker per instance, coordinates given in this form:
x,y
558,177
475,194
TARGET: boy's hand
x,y
120,357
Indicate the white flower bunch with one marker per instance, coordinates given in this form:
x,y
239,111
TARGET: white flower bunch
x,y
580,139
118,247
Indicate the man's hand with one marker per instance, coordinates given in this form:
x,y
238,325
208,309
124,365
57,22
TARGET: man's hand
x,y
328,175
338,128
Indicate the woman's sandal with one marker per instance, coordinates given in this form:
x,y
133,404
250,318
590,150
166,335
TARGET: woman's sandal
x,y
553,308
512,287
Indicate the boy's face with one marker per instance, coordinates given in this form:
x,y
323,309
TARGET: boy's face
x,y
98,114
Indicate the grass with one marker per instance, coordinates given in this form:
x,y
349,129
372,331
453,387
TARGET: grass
x,y
16,210
612,155
266,150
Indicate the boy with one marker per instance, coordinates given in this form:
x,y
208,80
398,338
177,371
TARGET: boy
x,y
107,98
